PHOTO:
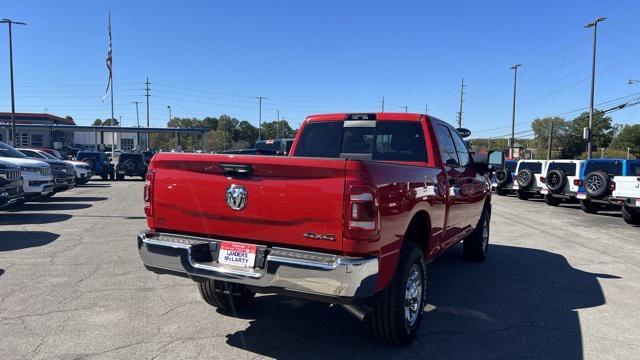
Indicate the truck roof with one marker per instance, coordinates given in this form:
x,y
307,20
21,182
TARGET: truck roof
x,y
370,115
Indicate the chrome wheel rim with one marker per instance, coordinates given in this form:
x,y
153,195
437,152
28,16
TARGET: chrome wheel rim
x,y
413,295
524,178
594,183
485,234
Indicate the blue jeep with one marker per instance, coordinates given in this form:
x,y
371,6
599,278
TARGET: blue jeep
x,y
99,163
595,183
503,179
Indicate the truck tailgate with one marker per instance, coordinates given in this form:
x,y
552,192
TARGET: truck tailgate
x,y
287,197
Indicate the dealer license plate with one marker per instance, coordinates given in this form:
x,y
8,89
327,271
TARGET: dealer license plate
x,y
544,191
581,196
236,254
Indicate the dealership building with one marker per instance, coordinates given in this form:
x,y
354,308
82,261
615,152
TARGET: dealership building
x,y
50,131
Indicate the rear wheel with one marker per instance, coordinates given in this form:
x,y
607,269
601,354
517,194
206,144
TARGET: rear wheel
x,y
396,313
500,191
550,200
589,207
631,215
224,295
475,246
119,177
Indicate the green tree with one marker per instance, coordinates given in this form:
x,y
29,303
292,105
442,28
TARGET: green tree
x,y
541,129
628,137
110,122
97,122
574,145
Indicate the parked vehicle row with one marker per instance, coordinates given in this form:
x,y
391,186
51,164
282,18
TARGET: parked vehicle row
x,y
593,183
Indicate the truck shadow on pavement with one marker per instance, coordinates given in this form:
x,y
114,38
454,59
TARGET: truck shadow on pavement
x,y
33,218
50,206
519,303
75,198
16,240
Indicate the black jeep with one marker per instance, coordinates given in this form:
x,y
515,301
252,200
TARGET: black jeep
x,y
131,164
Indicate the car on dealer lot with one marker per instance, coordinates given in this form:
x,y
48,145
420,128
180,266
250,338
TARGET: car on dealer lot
x,y
502,180
559,181
63,173
352,216
82,170
11,191
37,180
528,181
131,164
99,162
595,183
626,191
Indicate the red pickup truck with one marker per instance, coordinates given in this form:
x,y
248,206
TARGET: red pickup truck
x,y
352,216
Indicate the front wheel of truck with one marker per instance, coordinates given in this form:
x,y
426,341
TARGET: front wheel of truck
x,y
396,313
475,246
225,296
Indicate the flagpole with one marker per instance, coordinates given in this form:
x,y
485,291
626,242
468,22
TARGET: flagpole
x,y
113,136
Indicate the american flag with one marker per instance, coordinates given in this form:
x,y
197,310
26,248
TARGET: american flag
x,y
109,60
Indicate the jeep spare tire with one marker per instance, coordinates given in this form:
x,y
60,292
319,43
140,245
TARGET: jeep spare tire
x,y
129,165
502,177
556,180
596,184
525,178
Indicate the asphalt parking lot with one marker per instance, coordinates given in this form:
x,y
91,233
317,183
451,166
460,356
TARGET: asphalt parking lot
x,y
558,283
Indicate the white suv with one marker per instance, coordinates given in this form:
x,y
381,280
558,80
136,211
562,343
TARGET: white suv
x,y
627,191
559,181
36,175
529,178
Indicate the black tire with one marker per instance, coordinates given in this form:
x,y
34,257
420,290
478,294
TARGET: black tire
x,y
104,176
589,207
522,195
596,184
225,296
556,180
502,176
119,177
550,200
500,191
475,246
631,215
387,319
525,179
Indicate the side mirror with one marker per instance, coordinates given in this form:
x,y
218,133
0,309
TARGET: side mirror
x,y
495,160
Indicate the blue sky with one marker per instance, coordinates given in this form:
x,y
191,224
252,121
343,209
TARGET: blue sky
x,y
212,57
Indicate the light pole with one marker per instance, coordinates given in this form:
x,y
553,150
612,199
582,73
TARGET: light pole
x,y
406,109
513,109
594,25
137,120
260,98
13,103
628,153
169,107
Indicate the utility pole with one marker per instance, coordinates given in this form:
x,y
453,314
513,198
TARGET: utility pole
x,y
405,109
426,109
461,100
549,146
13,101
594,25
628,153
260,98
278,123
137,120
147,89
383,104
513,110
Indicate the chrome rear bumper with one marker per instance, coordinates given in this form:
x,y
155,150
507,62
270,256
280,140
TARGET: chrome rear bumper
x,y
281,270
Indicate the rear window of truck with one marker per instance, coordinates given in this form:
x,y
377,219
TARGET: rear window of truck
x,y
633,168
387,141
613,168
534,166
568,168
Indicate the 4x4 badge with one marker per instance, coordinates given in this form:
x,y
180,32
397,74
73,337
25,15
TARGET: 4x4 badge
x,y
236,197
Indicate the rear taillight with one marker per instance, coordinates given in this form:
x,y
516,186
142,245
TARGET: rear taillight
x,y
577,182
148,193
361,211
612,186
